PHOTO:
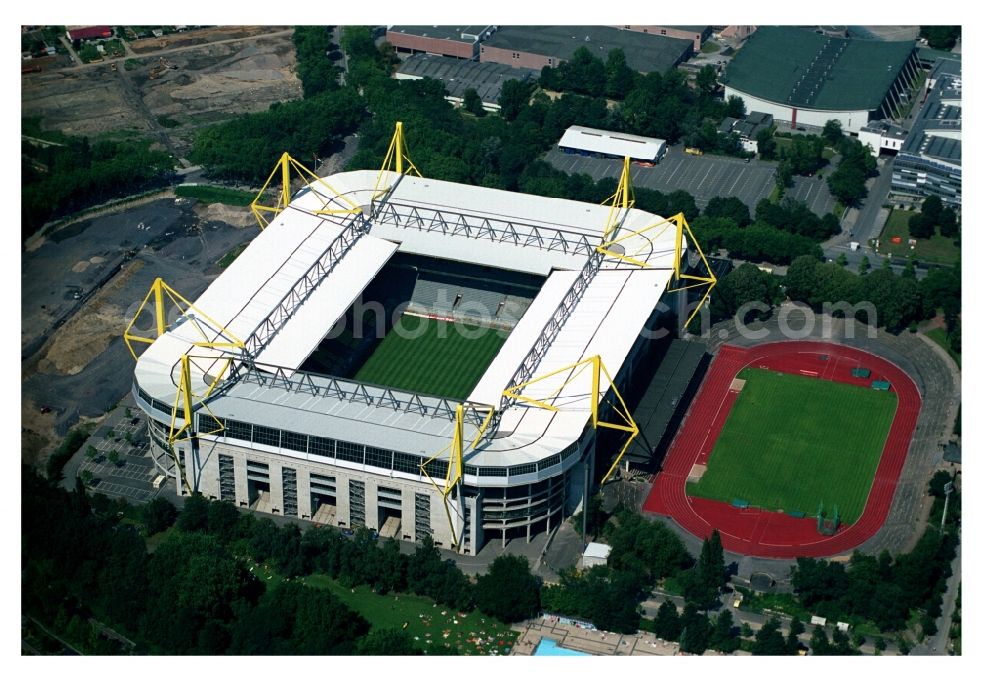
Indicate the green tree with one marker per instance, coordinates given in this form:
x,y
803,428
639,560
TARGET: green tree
x,y
941,37
667,624
732,208
767,147
388,642
514,97
820,643
724,635
783,174
794,629
745,284
842,260
769,640
618,77
832,133
114,457
948,222
194,516
706,81
91,452
697,633
472,102
864,266
932,207
921,226
158,515
735,107
509,591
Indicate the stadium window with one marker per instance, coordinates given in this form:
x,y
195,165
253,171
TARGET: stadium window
x,y
662,32
379,457
266,435
350,452
322,446
518,470
405,462
293,441
206,425
492,471
236,429
437,469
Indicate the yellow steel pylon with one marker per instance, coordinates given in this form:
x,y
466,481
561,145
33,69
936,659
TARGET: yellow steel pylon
x,y
597,368
286,165
396,156
622,200
456,450
184,404
679,274
160,292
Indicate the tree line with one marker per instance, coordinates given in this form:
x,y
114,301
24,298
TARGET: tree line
x,y
75,173
195,594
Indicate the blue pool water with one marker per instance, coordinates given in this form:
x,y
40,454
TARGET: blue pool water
x,y
547,648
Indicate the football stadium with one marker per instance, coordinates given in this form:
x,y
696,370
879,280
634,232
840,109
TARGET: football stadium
x,y
415,356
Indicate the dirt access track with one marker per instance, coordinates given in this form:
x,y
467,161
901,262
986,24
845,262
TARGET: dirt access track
x,y
206,76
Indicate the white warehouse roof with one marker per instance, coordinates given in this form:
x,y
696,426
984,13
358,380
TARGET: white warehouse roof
x,y
613,143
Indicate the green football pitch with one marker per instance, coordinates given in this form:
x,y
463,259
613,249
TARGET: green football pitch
x,y
792,442
434,357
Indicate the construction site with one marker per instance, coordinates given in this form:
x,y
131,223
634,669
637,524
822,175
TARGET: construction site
x,y
164,89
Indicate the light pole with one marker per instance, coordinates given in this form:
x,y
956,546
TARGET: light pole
x,y
948,488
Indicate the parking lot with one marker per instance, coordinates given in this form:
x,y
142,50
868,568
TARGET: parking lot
x,y
703,176
133,475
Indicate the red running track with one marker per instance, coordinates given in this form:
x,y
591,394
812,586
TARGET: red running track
x,y
771,534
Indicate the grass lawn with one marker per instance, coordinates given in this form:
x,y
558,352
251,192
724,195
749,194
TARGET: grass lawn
x,y
937,249
444,359
940,336
212,195
427,623
709,47
792,442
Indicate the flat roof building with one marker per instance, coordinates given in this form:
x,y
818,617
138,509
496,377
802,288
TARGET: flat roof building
x,y
458,41
460,74
538,46
696,34
602,143
801,77
930,160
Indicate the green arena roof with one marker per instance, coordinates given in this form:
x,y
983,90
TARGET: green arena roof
x,y
796,67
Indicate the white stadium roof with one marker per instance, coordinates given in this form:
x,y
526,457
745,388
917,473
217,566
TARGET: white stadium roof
x,y
613,143
446,220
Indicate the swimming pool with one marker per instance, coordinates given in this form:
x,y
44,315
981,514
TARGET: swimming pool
x,y
548,648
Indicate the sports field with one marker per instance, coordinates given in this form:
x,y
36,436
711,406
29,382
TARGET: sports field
x,y
792,442
445,359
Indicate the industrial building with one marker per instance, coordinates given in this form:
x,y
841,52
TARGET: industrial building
x,y
696,34
611,144
747,128
251,391
882,135
538,46
457,41
930,160
804,78
458,75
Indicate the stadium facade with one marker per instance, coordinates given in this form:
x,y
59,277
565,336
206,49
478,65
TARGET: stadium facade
x,y
249,391
804,78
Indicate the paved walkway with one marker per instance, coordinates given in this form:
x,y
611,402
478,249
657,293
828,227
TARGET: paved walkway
x,y
587,639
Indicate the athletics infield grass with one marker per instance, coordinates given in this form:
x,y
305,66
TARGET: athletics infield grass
x,y
792,442
445,359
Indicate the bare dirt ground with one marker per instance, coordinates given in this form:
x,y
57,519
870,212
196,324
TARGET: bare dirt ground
x,y
238,217
212,74
88,333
